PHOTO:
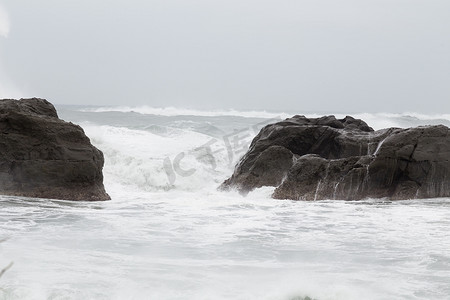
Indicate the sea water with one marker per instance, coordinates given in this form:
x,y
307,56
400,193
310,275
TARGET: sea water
x,y
168,233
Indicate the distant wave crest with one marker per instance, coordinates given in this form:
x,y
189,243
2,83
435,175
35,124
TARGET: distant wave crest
x,y
174,111
375,120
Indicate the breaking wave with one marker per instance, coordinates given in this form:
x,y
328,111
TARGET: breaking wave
x,y
176,151
168,233
177,159
173,111
376,120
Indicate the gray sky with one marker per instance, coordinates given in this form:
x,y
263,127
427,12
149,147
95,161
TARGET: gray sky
x,y
302,55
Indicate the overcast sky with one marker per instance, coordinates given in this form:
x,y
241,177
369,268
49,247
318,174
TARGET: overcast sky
x,y
302,55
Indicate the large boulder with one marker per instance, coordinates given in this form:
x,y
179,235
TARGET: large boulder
x,y
329,158
43,156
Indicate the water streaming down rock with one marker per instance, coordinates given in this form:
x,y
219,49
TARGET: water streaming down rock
x,y
331,164
379,147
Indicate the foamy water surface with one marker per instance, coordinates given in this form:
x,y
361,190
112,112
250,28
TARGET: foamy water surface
x,y
168,233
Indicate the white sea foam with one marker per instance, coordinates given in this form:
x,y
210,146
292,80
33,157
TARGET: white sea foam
x,y
151,162
187,240
401,120
375,120
222,246
162,155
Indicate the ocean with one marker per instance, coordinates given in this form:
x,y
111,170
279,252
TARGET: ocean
x,y
168,233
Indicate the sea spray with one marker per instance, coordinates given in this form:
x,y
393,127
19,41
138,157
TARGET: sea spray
x,y
181,152
174,111
195,242
375,120
181,159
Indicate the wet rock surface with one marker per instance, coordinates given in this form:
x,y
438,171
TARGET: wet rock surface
x,y
43,156
329,158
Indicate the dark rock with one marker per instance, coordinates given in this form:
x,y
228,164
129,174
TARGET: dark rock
x,y
267,169
43,156
345,159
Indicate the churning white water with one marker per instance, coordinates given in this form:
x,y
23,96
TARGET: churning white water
x,y
168,233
